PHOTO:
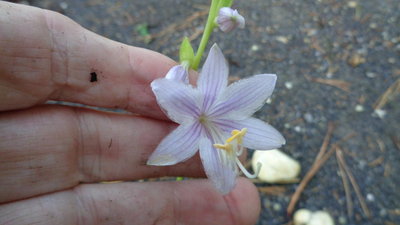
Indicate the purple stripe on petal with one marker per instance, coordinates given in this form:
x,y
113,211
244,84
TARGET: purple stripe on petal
x,y
223,178
180,101
178,146
260,135
243,98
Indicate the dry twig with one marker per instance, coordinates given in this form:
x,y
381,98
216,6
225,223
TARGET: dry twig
x,y
346,185
353,182
314,169
319,161
272,190
388,94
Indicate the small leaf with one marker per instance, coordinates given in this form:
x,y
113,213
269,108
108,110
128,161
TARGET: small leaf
x,y
186,52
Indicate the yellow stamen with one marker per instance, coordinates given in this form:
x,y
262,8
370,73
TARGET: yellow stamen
x,y
238,135
227,147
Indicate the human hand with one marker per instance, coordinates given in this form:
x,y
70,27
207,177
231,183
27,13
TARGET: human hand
x,y
53,157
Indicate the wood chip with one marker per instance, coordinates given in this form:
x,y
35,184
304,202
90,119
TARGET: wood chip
x,y
343,85
376,161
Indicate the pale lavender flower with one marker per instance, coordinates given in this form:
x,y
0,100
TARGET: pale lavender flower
x,y
228,19
214,118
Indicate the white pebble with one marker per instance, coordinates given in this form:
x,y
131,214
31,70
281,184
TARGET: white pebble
x,y
352,4
359,108
277,167
301,217
321,218
371,75
298,129
289,85
282,39
379,113
63,5
255,48
370,197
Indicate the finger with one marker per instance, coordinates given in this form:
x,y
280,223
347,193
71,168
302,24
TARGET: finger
x,y
188,202
51,148
44,55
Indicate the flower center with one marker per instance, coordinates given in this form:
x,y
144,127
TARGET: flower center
x,y
203,119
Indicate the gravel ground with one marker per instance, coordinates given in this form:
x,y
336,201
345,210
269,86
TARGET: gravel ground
x,y
334,59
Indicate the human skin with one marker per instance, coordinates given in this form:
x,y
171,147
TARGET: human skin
x,y
52,157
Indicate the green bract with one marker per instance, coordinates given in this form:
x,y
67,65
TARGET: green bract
x,y
186,53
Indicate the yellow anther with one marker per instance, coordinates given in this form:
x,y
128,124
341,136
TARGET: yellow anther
x,y
227,147
238,135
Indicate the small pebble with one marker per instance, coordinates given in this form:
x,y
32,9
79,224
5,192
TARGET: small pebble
x,y
352,4
276,207
370,197
371,75
392,60
342,220
255,48
382,212
301,217
63,5
380,113
269,101
298,129
309,117
359,108
288,85
373,25
356,60
282,39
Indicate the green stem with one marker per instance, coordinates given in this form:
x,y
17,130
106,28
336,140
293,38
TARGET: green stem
x,y
206,34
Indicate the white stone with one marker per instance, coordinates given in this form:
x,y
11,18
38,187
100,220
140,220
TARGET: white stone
x,y
289,85
352,4
359,108
379,113
321,218
301,217
255,48
282,39
277,167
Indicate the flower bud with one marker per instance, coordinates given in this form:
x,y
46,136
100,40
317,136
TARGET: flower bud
x,y
228,19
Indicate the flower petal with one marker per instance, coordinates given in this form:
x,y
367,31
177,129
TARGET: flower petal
x,y
178,73
260,135
220,174
178,146
244,97
180,101
213,77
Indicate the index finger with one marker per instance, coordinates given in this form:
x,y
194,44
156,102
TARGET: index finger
x,y
46,56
